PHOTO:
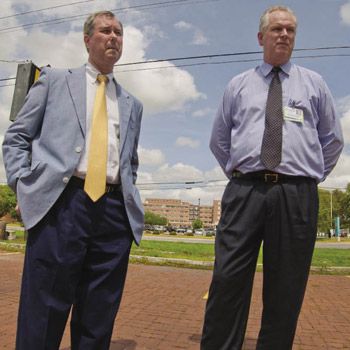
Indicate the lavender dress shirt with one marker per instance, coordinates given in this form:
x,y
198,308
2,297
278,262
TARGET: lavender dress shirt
x,y
309,148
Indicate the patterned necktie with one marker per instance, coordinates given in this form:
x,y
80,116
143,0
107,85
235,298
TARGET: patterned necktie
x,y
95,180
271,149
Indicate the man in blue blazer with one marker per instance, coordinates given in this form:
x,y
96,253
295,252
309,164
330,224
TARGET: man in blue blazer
x,y
78,248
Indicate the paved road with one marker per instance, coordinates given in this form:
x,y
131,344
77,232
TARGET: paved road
x,y
336,245
163,308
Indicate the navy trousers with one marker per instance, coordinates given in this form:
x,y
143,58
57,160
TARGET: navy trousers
x,y
284,217
76,258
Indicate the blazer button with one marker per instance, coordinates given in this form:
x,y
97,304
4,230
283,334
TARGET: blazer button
x,y
78,149
65,179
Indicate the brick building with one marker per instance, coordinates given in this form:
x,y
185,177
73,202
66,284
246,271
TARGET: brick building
x,y
182,214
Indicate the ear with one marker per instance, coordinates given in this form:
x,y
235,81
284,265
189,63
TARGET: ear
x,y
86,40
260,38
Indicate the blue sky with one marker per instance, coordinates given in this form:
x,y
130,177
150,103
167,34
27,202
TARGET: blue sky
x,y
180,101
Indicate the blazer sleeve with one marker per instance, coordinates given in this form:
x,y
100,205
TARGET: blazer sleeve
x,y
18,138
134,158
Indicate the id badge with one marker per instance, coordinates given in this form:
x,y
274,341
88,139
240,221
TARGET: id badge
x,y
293,114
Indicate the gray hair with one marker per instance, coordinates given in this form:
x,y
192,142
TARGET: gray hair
x,y
89,24
264,19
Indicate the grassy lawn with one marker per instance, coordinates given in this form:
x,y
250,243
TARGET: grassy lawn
x,y
178,250
323,257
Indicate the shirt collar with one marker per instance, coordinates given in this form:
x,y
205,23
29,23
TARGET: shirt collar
x,y
93,72
266,68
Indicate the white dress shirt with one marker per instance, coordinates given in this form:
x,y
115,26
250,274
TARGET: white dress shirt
x,y
113,124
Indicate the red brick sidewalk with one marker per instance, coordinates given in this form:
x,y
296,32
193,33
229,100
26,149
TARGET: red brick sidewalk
x,y
163,307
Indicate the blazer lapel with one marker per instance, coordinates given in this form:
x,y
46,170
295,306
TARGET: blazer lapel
x,y
76,81
124,103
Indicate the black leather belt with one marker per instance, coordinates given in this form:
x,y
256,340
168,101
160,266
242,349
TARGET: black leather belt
x,y
268,176
78,182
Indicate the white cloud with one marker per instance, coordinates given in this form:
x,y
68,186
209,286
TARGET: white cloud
x,y
160,89
340,176
178,172
182,25
205,191
344,109
345,13
345,121
203,112
215,174
198,37
183,141
60,50
151,156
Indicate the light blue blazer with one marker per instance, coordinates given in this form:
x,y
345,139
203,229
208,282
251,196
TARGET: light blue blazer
x,y
42,148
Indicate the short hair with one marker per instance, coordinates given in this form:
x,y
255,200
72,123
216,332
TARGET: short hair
x,y
265,20
89,24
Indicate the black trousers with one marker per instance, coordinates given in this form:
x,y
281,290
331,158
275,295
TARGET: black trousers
x,y
284,217
76,257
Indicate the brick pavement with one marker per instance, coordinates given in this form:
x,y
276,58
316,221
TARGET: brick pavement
x,y
162,309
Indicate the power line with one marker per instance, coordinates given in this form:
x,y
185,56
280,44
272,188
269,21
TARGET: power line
x,y
225,62
12,61
174,59
202,64
74,17
227,54
6,79
6,85
44,9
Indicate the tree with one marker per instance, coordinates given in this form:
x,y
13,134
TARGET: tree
x,y
331,205
345,208
196,224
324,212
154,219
7,201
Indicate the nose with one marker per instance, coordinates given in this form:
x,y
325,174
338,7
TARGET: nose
x,y
284,32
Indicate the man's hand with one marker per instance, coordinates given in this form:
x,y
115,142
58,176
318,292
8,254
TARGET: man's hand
x,y
18,210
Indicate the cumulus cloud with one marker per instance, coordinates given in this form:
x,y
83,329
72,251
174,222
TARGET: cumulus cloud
x,y
203,112
340,176
183,141
162,87
161,90
198,37
344,109
177,172
345,13
205,189
182,25
150,156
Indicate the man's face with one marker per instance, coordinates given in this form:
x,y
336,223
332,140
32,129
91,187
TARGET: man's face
x,y
278,38
105,45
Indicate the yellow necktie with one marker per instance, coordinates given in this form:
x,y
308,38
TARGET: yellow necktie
x,y
95,180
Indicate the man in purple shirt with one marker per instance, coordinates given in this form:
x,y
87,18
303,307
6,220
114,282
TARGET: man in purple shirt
x,y
272,193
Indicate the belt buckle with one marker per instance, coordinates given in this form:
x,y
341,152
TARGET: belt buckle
x,y
271,178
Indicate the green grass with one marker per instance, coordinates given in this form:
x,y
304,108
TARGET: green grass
x,y
322,258
325,257
178,250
